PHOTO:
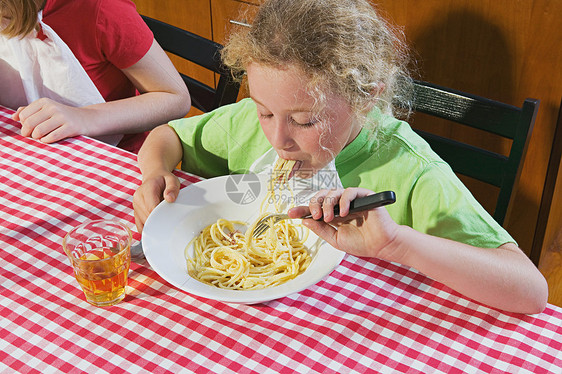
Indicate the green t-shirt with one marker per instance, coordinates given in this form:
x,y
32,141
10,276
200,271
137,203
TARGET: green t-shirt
x,y
429,196
227,140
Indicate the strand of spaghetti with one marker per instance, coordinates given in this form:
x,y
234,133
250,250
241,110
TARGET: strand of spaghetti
x,y
279,178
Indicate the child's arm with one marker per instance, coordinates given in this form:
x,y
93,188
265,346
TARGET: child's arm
x,y
164,97
502,277
158,157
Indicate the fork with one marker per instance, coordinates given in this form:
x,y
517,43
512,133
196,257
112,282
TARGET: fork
x,y
357,205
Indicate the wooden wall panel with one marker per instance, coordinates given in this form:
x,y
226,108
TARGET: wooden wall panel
x,y
191,15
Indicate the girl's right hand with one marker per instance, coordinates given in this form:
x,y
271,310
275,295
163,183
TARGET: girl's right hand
x,y
151,192
50,121
369,233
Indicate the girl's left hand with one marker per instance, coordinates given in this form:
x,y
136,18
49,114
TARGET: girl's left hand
x,y
367,234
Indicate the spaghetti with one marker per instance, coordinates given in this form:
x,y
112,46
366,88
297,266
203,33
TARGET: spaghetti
x,y
227,258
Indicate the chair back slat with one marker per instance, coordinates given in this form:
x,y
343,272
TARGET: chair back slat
x,y
471,110
484,114
466,159
202,96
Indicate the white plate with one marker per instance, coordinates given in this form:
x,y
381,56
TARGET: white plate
x,y
171,226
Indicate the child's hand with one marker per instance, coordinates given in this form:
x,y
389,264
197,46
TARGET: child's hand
x,y
151,192
367,234
50,121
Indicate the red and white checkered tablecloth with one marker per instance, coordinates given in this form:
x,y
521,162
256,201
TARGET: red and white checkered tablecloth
x,y
368,315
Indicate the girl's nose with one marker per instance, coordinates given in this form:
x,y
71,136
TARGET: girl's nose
x,y
281,137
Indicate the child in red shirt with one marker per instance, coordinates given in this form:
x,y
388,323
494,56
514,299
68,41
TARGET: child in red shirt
x,y
120,56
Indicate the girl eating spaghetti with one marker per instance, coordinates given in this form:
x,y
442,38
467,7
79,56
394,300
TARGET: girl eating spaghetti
x,y
324,77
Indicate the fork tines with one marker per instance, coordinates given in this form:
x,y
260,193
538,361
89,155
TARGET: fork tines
x,y
264,224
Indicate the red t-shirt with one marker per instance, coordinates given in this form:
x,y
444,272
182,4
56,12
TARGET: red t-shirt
x,y
105,36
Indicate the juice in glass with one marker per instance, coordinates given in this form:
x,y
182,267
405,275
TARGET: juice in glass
x,y
99,252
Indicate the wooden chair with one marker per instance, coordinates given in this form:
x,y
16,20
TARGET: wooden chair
x,y
200,51
490,116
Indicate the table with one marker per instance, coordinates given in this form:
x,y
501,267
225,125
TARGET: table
x,y
367,315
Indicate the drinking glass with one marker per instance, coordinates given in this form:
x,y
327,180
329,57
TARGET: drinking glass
x,y
100,254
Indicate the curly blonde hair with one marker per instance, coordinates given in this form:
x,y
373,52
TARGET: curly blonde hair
x,y
20,16
341,45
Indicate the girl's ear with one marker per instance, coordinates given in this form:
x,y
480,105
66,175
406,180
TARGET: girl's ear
x,y
376,92
378,89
